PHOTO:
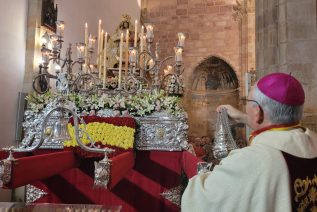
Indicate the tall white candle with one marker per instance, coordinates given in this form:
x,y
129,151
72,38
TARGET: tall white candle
x,y
135,33
86,33
98,46
86,48
105,61
120,61
141,39
127,38
100,53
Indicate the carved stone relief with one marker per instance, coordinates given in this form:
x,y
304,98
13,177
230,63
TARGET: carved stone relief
x,y
214,83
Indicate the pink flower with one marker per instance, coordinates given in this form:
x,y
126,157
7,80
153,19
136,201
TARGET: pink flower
x,y
116,113
125,113
92,113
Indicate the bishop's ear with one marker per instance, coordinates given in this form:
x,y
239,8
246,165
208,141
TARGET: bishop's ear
x,y
259,114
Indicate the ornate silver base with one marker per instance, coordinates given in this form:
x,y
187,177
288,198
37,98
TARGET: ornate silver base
x,y
102,173
161,131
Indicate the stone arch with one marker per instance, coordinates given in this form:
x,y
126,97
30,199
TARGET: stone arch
x,y
221,57
214,82
216,74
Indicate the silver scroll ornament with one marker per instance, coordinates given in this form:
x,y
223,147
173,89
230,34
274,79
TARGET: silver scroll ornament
x,y
33,124
33,193
174,195
223,142
102,172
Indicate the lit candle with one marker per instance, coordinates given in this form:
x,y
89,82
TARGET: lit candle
x,y
120,61
98,46
60,26
178,54
105,61
149,33
127,38
54,41
58,68
45,40
169,68
135,33
91,68
165,72
85,67
91,43
132,56
46,56
181,39
151,63
86,33
157,50
141,39
86,49
100,53
80,50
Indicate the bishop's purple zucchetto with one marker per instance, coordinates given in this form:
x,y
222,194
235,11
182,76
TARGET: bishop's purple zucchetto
x,y
283,88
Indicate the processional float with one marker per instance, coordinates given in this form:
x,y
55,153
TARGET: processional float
x,y
142,77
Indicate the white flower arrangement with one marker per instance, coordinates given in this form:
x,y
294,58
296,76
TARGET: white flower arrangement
x,y
136,105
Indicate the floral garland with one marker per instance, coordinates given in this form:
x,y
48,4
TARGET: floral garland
x,y
106,134
136,105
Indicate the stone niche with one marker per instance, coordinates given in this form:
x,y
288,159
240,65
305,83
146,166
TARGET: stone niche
x,y
214,83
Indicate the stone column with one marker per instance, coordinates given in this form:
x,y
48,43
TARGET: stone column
x,y
244,14
287,42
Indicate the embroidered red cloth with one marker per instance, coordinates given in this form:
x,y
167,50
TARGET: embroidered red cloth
x,y
118,121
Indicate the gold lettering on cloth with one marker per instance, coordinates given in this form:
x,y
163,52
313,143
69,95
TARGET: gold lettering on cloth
x,y
306,194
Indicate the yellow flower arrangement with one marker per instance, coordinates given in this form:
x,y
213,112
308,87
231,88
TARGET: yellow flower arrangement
x,y
107,134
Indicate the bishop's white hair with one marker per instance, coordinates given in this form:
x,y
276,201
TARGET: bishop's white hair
x,y
278,113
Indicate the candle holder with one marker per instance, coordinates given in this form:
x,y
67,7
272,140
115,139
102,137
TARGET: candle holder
x,y
146,67
139,66
70,75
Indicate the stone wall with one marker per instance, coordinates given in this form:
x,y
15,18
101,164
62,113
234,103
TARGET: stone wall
x,y
209,27
12,55
286,42
220,28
